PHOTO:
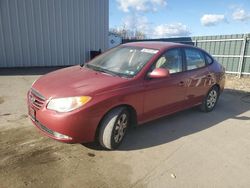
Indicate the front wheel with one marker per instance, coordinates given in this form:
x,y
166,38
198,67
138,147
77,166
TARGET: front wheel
x,y
113,128
210,100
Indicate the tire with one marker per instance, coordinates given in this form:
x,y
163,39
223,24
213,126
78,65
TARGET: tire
x,y
113,128
210,101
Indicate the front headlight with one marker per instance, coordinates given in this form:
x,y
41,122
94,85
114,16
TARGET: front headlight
x,y
67,104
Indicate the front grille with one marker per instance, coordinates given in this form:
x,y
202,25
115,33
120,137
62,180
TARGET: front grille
x,y
50,132
45,129
36,99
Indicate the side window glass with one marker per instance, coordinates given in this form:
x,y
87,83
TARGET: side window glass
x,y
171,60
194,59
209,59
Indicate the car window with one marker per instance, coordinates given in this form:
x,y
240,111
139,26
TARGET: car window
x,y
170,60
124,61
194,59
208,59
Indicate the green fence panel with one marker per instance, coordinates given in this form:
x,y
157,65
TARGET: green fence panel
x,y
226,49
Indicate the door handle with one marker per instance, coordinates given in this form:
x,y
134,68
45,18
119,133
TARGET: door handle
x,y
181,83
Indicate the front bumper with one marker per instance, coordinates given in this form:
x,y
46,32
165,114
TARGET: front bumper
x,y
78,126
49,132
68,129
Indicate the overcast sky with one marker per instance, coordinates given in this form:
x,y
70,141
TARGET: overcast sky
x,y
170,18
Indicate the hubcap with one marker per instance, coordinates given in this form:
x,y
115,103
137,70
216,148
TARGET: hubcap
x,y
120,128
211,99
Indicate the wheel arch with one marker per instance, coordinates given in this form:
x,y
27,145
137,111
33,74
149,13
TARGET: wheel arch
x,y
218,87
132,113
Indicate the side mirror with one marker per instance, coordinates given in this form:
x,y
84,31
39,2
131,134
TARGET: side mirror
x,y
159,73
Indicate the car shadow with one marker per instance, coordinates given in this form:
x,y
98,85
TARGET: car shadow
x,y
184,123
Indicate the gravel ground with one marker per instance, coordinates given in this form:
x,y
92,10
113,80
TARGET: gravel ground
x,y
187,149
235,83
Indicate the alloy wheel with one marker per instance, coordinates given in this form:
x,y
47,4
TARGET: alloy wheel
x,y
120,128
212,98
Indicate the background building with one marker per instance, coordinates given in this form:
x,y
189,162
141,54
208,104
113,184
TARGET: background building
x,y
51,32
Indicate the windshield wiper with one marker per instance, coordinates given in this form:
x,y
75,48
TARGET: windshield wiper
x,y
100,69
107,71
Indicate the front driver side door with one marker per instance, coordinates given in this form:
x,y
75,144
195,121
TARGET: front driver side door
x,y
163,96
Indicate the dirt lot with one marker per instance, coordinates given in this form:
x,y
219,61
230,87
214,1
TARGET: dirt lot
x,y
188,149
234,83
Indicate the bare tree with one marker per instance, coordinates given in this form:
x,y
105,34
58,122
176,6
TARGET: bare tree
x,y
126,33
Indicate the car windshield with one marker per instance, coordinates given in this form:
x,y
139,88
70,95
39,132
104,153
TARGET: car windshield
x,y
122,61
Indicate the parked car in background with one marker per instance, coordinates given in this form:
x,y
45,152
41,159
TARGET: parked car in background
x,y
126,86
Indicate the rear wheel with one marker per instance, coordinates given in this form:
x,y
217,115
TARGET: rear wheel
x,y
210,100
113,128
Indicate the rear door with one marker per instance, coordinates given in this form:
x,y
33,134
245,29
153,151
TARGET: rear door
x,y
199,80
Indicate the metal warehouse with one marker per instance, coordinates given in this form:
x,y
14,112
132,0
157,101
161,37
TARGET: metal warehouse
x,y
51,32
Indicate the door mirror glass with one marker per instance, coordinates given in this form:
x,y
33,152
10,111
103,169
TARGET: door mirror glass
x,y
159,73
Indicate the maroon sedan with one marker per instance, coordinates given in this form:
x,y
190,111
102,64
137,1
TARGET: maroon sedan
x,y
128,85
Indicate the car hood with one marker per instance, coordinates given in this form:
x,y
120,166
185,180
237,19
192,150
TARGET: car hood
x,y
76,81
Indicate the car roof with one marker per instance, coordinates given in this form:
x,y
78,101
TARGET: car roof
x,y
156,44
